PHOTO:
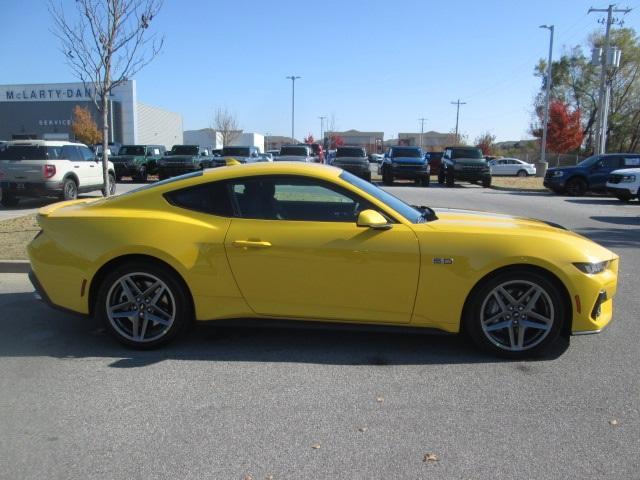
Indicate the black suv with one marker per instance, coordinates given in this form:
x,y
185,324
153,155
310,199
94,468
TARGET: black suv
x,y
407,163
466,164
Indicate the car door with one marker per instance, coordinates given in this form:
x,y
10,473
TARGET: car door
x,y
601,170
77,164
93,168
296,252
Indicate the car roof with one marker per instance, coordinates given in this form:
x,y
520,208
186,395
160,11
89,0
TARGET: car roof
x,y
267,168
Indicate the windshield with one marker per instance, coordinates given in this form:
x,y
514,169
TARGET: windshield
x,y
406,152
29,152
298,151
407,211
350,152
474,153
587,162
237,151
131,150
184,150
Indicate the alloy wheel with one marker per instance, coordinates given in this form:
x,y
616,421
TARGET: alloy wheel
x,y
140,307
517,315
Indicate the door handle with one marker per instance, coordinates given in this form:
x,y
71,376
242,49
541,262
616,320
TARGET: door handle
x,y
76,166
251,243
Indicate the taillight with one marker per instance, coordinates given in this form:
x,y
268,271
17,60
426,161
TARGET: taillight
x,y
49,171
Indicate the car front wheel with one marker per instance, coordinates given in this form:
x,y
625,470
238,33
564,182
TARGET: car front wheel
x,y
143,305
515,314
576,187
522,173
69,189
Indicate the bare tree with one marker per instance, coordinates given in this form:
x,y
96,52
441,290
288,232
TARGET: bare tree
x,y
227,124
105,44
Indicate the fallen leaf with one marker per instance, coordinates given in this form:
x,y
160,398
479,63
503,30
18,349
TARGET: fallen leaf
x,y
430,457
247,477
363,429
379,399
315,446
613,422
268,476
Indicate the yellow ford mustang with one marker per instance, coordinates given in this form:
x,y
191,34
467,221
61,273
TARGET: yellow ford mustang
x,y
314,243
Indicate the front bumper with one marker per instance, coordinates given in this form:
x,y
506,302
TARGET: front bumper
x,y
126,170
554,183
175,170
471,175
592,300
32,189
410,172
620,191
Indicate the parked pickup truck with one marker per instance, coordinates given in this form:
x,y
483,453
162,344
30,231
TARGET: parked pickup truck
x,y
354,160
137,161
183,159
295,153
464,163
248,154
405,163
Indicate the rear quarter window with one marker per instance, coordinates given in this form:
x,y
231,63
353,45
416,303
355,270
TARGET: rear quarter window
x,y
212,198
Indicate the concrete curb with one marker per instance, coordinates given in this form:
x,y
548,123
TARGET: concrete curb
x,y
15,266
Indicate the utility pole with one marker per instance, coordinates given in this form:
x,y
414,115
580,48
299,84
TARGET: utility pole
x,y
603,95
421,120
293,79
322,128
543,148
458,103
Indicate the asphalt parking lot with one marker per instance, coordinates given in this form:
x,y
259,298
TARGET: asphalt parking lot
x,y
255,403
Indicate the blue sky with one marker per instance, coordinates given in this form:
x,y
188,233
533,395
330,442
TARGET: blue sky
x,y
372,65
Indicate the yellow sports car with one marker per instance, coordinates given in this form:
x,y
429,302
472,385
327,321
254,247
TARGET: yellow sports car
x,y
309,242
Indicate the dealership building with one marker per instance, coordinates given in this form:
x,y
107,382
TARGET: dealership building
x,y
45,111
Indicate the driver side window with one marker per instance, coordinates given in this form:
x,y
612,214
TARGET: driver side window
x,y
294,199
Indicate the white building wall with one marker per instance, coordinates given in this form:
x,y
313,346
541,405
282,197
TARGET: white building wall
x,y
127,96
205,137
249,140
158,127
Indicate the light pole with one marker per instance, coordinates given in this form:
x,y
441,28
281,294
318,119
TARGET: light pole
x,y
322,128
421,120
293,79
543,148
458,103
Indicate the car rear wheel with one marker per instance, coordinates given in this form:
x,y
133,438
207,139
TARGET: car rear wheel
x,y
576,187
110,189
522,173
623,198
486,182
387,177
515,314
9,200
441,177
143,305
69,189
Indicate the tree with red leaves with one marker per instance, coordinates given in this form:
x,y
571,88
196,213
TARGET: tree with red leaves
x,y
485,143
564,131
309,139
336,141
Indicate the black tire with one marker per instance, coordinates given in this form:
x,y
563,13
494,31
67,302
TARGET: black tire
x,y
623,198
9,200
162,176
450,179
576,187
441,177
142,176
486,182
426,181
387,177
69,189
522,173
172,306
503,341
368,177
118,178
110,189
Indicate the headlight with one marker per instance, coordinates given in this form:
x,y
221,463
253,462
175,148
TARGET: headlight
x,y
592,268
628,179
558,173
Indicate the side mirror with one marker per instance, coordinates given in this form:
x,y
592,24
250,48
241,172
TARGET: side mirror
x,y
372,219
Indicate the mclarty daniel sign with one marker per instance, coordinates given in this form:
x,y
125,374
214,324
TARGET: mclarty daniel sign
x,y
50,92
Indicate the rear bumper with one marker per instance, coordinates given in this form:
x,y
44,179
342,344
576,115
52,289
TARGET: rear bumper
x,y
32,189
41,294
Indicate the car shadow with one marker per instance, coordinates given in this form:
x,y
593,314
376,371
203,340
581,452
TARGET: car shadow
x,y
612,237
618,220
30,328
596,201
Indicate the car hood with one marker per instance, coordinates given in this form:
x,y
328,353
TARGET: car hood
x,y
178,158
470,161
500,226
122,158
626,171
409,160
564,169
